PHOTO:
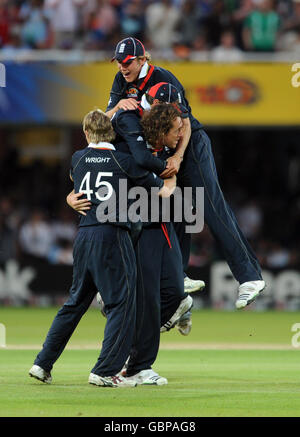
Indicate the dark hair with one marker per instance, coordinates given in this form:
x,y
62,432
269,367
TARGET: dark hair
x,y
158,121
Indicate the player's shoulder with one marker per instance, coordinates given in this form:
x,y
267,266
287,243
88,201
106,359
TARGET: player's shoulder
x,y
76,157
163,75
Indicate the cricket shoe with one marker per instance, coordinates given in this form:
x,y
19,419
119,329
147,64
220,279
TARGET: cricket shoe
x,y
101,303
185,305
125,367
147,377
38,373
111,381
191,285
248,292
184,324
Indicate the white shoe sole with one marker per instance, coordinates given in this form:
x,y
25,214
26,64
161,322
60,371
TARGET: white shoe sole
x,y
37,373
102,382
243,303
186,305
200,286
159,382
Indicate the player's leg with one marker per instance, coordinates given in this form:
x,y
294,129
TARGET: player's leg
x,y
82,293
174,301
114,272
200,170
146,340
184,238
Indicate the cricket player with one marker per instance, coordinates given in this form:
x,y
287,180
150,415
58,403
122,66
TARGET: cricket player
x,y
104,257
160,276
196,162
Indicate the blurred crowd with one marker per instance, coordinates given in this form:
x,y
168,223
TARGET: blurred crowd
x,y
259,172
225,28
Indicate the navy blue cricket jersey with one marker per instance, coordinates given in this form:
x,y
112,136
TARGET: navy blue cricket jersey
x,y
151,75
97,171
130,139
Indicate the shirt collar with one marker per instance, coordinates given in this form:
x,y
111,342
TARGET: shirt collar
x,y
145,104
144,71
102,145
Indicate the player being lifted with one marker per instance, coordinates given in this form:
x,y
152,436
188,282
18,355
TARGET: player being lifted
x,y
196,163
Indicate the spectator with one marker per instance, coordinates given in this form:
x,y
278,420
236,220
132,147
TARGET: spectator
x,y
261,27
278,256
8,18
290,38
35,32
36,237
293,21
14,44
64,227
102,22
227,50
4,22
241,12
189,23
250,219
61,252
161,22
64,19
133,19
218,19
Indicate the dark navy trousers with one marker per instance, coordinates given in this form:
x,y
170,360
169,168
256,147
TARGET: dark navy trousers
x,y
160,290
198,170
104,259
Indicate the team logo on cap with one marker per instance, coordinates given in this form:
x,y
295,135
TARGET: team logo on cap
x,y
122,48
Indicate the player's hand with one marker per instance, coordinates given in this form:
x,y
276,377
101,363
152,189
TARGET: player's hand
x,y
80,205
172,167
127,104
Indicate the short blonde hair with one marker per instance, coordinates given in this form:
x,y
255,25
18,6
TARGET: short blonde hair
x,y
146,55
98,127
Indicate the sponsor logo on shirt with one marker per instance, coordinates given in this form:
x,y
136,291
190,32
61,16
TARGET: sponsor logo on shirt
x,y
132,92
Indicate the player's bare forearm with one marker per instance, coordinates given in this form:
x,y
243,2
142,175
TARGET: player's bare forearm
x,y
168,187
79,205
126,104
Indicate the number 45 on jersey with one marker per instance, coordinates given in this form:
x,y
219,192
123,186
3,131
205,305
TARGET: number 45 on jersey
x,y
85,186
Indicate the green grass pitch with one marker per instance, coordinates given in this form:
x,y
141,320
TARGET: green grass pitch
x,y
232,364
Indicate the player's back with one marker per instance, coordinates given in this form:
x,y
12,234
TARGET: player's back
x,y
103,174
